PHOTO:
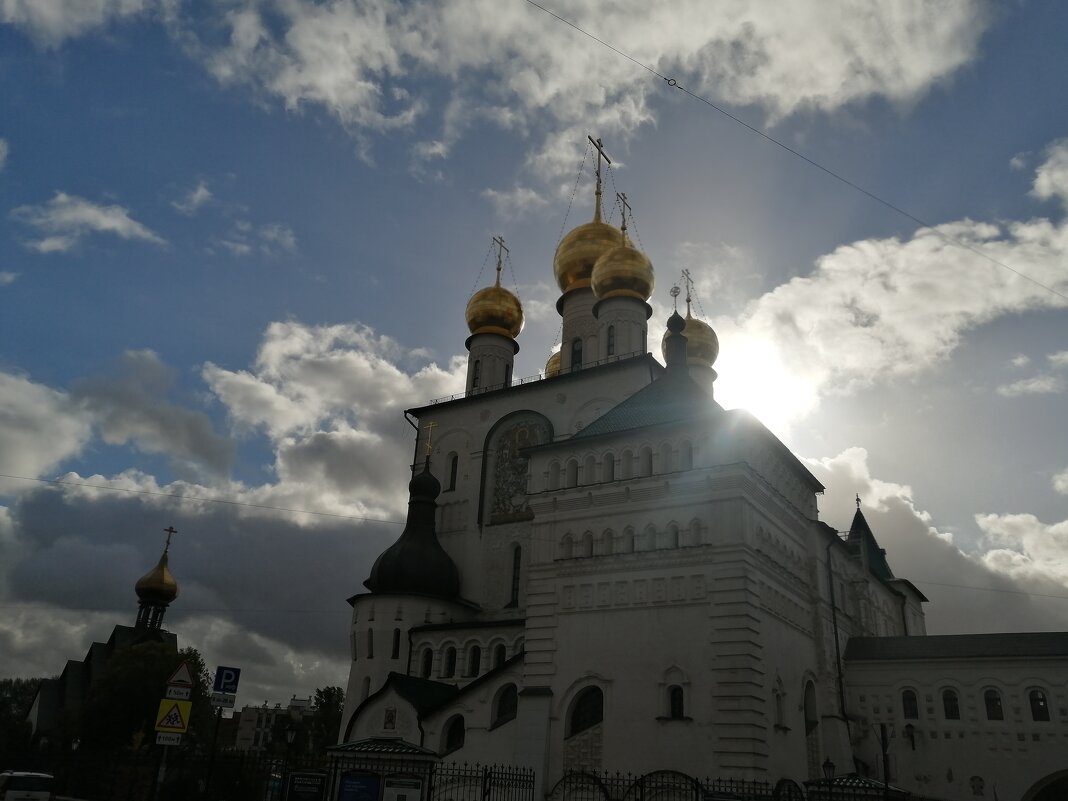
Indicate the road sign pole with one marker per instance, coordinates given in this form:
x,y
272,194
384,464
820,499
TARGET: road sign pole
x,y
214,743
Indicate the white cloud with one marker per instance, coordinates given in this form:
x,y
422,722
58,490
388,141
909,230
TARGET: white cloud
x,y
269,239
1051,178
1022,546
194,199
1020,360
1058,359
1037,385
5,150
67,219
514,202
1060,482
237,248
884,308
276,235
49,22
518,66
39,428
995,587
7,277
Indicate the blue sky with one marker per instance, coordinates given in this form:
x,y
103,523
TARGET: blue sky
x,y
237,238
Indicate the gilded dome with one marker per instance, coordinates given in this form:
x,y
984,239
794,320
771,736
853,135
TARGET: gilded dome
x,y
702,344
495,310
580,249
157,586
552,367
624,271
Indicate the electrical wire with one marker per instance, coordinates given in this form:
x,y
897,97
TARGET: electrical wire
x,y
674,84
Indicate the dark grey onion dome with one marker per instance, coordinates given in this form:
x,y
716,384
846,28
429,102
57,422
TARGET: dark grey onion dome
x,y
416,563
675,344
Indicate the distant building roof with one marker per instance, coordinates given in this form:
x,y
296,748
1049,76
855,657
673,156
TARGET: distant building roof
x,y
383,745
958,646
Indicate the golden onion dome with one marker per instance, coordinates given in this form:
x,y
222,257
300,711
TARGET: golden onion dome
x,y
552,367
495,310
157,585
625,272
580,249
702,344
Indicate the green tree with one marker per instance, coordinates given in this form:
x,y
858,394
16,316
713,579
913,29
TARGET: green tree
x,y
326,722
16,695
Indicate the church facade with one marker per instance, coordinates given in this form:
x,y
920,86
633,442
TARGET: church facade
x,y
606,570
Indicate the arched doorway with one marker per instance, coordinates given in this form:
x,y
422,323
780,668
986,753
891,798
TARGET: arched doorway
x,y
1052,788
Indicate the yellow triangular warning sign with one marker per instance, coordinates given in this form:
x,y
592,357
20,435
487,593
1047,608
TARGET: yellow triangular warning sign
x,y
173,716
182,677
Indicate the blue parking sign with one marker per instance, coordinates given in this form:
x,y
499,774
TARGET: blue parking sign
x,y
226,679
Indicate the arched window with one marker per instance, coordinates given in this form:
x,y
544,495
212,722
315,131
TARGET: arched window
x,y
474,661
586,548
645,462
576,354
950,705
571,477
627,545
395,653
609,467
448,664
676,710
589,471
500,655
909,707
505,705
671,536
454,466
685,455
554,476
454,734
1039,707
611,340
476,374
428,662
567,547
587,711
992,699
517,564
665,458
370,643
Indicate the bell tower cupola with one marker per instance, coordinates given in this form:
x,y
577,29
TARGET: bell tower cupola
x,y
494,318
156,589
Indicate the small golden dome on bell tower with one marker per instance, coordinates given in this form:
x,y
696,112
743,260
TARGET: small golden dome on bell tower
x,y
495,310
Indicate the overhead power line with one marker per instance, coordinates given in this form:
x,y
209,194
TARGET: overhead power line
x,y
200,499
674,84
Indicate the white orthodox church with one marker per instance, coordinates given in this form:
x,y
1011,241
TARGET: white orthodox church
x,y
605,569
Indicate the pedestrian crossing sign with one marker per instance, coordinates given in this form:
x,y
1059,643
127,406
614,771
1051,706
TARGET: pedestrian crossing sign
x,y
173,716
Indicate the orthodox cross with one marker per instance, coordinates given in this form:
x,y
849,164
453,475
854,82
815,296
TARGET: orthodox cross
x,y
675,296
624,207
429,432
599,145
858,501
170,531
501,250
689,288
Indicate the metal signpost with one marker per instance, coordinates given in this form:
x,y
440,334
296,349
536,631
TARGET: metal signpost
x,y
223,696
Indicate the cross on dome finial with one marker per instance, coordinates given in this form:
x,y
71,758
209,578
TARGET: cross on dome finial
x,y
429,434
675,292
599,145
624,207
858,501
170,531
501,250
689,289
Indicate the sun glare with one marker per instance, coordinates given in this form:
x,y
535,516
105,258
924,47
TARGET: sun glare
x,y
753,376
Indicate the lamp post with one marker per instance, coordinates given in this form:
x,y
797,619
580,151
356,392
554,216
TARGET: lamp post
x,y
828,774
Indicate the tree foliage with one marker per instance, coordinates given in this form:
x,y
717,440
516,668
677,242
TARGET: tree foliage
x,y
16,695
326,722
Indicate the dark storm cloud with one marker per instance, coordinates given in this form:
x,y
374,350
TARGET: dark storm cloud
x,y
264,576
129,405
